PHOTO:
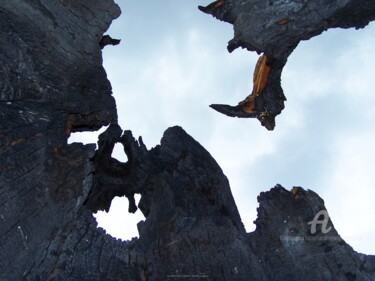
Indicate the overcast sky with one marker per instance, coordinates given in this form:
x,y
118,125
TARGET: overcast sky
x,y
172,63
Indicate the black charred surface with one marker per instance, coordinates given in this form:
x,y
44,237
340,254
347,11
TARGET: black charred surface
x,y
283,217
275,28
192,225
108,40
52,83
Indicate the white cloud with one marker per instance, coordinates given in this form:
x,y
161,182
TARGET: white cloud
x,y
350,190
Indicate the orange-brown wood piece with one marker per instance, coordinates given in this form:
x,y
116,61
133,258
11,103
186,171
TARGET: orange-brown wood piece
x,y
283,22
260,79
261,74
219,4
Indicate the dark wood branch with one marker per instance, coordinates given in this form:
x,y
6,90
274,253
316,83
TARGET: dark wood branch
x,y
275,28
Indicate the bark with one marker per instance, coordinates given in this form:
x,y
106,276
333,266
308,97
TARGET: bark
x,y
52,83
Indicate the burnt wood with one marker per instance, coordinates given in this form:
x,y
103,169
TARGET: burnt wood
x,y
52,83
275,28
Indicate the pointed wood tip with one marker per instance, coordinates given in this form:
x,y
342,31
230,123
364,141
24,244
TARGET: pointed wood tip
x,y
232,111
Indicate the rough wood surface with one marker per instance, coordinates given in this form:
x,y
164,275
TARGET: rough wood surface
x,y
52,83
275,28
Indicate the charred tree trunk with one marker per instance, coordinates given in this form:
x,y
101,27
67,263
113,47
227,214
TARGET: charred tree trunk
x,y
52,83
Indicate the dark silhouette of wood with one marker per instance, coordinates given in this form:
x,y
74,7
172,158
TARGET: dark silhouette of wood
x,y
108,40
52,83
275,28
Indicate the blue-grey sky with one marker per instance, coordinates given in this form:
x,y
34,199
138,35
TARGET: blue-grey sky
x,y
172,63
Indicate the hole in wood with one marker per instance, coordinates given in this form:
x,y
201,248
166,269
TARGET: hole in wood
x,y
86,137
119,153
118,222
